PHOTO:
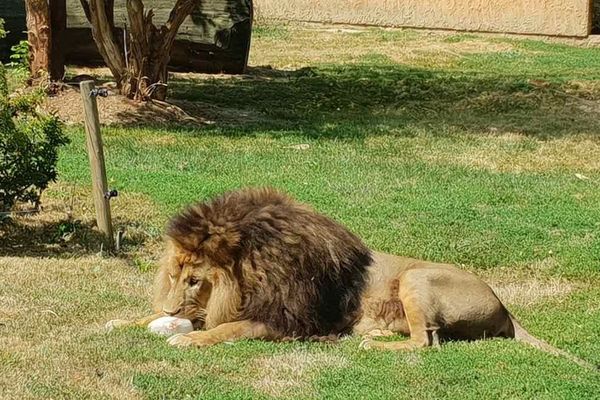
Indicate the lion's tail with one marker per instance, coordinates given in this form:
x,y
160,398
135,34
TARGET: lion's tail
x,y
523,336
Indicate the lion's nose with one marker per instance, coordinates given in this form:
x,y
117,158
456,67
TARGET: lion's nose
x,y
172,311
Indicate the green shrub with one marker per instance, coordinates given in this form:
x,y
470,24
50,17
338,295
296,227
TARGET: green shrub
x,y
20,55
29,143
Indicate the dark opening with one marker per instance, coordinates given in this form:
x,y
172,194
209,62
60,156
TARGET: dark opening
x,y
13,14
596,17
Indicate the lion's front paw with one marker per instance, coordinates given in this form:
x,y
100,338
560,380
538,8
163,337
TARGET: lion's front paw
x,y
379,333
116,323
198,339
180,340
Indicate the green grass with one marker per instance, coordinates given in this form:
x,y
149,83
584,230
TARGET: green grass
x,y
395,200
540,59
276,32
477,150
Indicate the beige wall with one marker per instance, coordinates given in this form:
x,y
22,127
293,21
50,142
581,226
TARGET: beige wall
x,y
545,17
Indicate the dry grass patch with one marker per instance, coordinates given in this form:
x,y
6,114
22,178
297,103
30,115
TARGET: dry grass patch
x,y
532,292
66,225
354,44
527,287
54,307
56,292
284,375
507,152
516,153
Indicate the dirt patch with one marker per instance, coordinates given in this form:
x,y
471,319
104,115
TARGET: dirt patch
x,y
119,110
283,375
116,109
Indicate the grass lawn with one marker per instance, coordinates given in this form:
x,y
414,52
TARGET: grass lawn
x,y
478,150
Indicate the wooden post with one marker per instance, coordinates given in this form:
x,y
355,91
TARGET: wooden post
x,y
96,156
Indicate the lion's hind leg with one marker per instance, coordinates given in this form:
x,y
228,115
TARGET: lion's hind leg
x,y
423,328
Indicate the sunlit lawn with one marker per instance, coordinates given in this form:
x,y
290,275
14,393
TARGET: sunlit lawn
x,y
478,150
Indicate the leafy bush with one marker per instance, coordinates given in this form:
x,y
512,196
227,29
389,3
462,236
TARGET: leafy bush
x,y
20,55
29,143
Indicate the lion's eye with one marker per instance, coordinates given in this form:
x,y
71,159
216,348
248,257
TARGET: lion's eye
x,y
194,281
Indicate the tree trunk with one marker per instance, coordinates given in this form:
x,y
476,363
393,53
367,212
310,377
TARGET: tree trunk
x,y
99,13
39,37
141,74
146,64
151,48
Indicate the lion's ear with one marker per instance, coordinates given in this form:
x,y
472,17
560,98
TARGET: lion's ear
x,y
221,244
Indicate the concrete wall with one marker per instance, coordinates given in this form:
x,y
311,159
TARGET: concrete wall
x,y
543,17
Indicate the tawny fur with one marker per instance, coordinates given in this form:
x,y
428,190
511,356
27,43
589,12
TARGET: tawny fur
x,y
264,266
266,258
432,302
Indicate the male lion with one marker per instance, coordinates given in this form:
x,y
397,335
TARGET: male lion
x,y
257,264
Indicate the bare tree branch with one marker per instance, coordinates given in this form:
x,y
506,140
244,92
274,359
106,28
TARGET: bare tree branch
x,y
181,10
105,39
109,10
86,10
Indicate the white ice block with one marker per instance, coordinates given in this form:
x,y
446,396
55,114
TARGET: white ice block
x,y
170,325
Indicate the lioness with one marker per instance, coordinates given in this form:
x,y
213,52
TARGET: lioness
x,y
255,264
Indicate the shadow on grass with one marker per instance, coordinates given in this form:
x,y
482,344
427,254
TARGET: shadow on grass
x,y
361,100
40,236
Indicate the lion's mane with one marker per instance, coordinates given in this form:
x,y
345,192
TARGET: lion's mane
x,y
297,271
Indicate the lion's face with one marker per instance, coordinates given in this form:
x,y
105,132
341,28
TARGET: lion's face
x,y
195,287
189,291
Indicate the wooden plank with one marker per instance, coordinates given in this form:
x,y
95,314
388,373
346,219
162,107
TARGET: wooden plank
x,y
210,17
96,156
